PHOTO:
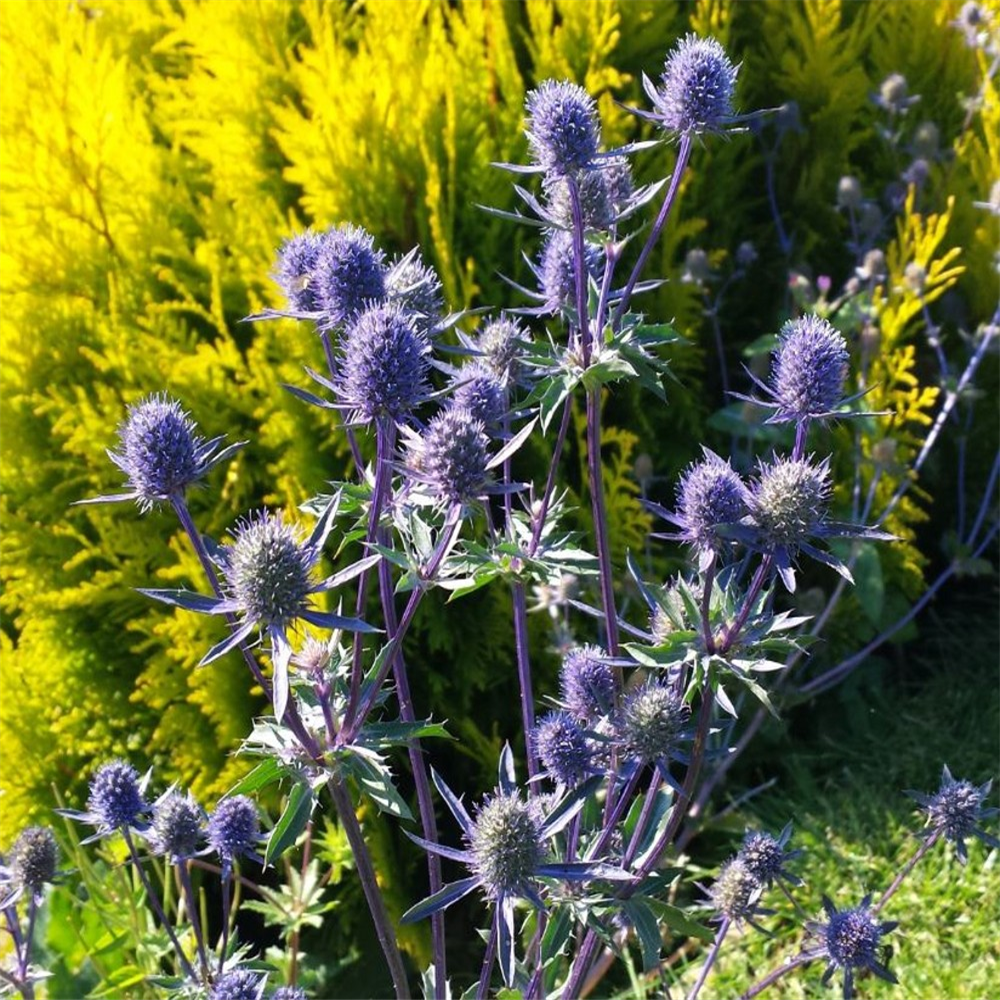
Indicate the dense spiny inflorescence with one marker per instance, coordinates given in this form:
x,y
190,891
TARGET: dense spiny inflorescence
x,y
562,127
453,456
696,90
116,800
789,501
478,389
651,722
736,891
809,369
297,260
159,450
383,367
234,827
33,859
349,273
506,844
955,811
269,570
765,856
416,287
851,940
564,748
557,270
711,494
587,683
177,827
595,201
289,993
239,984
499,343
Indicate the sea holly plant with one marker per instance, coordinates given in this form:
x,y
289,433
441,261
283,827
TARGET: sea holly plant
x,y
590,854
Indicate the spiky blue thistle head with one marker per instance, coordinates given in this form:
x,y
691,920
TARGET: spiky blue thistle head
x,y
562,127
349,273
296,265
651,722
736,891
238,984
955,811
453,454
33,859
557,270
852,937
765,856
506,844
587,683
234,827
696,90
789,501
481,391
289,993
115,800
415,286
269,571
499,342
595,204
564,748
177,826
384,364
160,450
808,370
617,174
710,494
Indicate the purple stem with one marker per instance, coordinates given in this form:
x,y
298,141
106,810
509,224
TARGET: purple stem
x,y
227,873
683,155
790,965
580,267
550,483
24,959
732,633
483,990
192,904
643,821
907,868
613,815
383,925
524,680
154,902
710,959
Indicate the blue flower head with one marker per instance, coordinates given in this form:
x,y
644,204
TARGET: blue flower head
x,y
416,288
295,269
736,892
238,984
499,344
650,723
384,365
177,827
587,683
765,856
789,501
562,127
710,496
234,828
161,453
808,370
349,273
564,748
556,270
116,801
289,993
695,95
851,940
451,456
480,390
595,201
955,811
31,863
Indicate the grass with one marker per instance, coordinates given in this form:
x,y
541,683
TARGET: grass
x,y
842,788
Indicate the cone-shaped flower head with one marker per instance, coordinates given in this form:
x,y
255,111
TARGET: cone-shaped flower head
x,y
33,859
177,826
234,827
587,683
416,288
562,127
651,722
478,389
809,370
289,993
696,91
765,856
269,570
595,203
499,343
564,748
955,811
453,456
851,940
711,494
556,270
349,273
736,891
116,800
506,844
383,369
238,984
297,261
789,501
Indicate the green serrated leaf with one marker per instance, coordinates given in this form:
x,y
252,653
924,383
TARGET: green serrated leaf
x,y
644,921
265,773
677,920
293,821
376,782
